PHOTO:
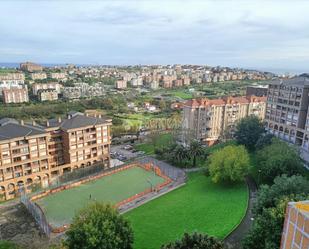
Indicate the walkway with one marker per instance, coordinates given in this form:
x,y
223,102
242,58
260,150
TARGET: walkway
x,y
235,238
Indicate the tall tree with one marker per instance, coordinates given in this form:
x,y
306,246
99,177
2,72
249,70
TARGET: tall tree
x,y
99,226
277,159
195,150
248,131
180,153
229,164
195,241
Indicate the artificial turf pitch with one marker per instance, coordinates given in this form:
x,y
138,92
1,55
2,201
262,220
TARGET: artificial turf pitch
x,y
200,205
60,207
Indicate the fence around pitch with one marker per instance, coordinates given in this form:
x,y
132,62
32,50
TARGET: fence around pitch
x,y
40,217
37,213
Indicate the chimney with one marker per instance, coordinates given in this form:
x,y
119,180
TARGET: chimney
x,y
33,123
22,122
47,123
59,119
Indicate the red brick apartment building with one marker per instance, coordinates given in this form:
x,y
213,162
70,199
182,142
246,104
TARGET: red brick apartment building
x,y
32,153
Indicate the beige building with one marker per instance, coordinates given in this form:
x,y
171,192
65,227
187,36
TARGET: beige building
x,y
31,67
31,153
38,76
207,119
38,86
47,95
15,95
58,76
121,84
295,233
287,115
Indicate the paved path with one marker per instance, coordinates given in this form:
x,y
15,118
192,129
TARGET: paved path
x,y
234,239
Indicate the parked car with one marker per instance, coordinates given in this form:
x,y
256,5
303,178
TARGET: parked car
x,y
128,147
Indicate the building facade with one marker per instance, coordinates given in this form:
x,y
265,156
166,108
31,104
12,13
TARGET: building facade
x,y
287,115
47,95
15,95
31,67
39,86
259,91
207,119
295,233
37,154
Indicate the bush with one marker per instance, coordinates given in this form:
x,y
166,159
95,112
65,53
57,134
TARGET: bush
x,y
195,241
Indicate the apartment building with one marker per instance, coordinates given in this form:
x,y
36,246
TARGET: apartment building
x,y
32,153
47,95
15,95
121,84
287,115
58,76
295,233
207,119
38,76
257,90
38,86
31,67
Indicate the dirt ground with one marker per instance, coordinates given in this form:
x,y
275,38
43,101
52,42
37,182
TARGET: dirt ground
x,y
17,225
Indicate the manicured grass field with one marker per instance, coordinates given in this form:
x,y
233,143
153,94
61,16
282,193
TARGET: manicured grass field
x,y
149,148
61,207
200,206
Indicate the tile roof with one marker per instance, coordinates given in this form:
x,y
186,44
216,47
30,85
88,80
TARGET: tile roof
x,y
194,103
12,130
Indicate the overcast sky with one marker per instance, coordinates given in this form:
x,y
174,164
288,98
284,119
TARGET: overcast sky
x,y
249,33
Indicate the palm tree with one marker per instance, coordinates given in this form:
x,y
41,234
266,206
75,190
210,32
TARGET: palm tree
x,y
181,153
195,150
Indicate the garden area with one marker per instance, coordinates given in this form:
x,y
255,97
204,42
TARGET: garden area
x,y
200,205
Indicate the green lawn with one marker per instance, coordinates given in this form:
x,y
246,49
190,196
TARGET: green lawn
x,y
149,148
200,206
61,207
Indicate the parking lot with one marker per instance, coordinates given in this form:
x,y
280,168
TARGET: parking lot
x,y
124,152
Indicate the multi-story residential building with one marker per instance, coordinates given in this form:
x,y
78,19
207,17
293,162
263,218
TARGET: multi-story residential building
x,y
209,119
47,94
287,115
31,153
31,67
58,76
81,90
15,95
121,84
257,90
38,76
295,233
38,86
12,76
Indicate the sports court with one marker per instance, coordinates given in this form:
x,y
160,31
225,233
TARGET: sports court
x,y
60,207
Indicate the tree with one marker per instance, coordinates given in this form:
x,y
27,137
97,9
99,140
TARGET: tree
x,y
248,131
180,153
283,186
99,226
263,141
195,150
277,159
230,164
267,227
195,241
269,210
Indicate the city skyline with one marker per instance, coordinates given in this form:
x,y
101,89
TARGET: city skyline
x,y
262,35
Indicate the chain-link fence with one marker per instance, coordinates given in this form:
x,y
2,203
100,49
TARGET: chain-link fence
x,y
36,213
